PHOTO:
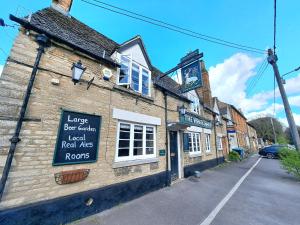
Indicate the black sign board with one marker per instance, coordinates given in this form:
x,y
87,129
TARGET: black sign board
x,y
162,152
77,139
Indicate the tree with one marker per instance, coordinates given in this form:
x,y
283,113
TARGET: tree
x,y
264,129
289,135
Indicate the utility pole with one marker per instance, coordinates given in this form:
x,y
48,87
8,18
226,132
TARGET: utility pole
x,y
272,59
274,133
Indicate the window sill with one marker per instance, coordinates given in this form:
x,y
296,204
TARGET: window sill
x,y
126,90
134,162
195,155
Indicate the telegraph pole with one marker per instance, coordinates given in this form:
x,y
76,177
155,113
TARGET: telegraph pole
x,y
274,133
272,59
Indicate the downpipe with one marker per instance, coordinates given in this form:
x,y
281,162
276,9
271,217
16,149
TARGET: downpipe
x,y
43,41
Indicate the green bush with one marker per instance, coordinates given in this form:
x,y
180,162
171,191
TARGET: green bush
x,y
290,161
234,156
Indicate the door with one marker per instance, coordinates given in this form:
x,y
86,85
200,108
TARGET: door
x,y
174,155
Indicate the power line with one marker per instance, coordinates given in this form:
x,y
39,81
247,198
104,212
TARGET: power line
x,y
254,80
294,70
259,77
175,29
275,15
178,27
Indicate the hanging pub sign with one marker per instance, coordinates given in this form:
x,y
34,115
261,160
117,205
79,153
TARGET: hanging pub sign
x,y
191,77
77,139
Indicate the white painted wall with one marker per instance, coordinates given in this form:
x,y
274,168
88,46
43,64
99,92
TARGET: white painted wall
x,y
137,55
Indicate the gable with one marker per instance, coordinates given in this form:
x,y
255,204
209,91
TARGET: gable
x,y
136,49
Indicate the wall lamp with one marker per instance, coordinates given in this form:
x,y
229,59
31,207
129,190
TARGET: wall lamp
x,y
77,72
182,110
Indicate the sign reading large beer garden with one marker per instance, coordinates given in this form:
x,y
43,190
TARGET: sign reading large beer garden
x,y
193,120
78,137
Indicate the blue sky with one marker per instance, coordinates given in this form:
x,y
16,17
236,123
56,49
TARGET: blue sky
x,y
231,70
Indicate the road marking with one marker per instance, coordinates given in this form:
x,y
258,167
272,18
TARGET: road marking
x,y
218,208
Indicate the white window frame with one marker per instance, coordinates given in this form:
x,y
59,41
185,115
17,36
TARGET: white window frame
x,y
131,143
207,143
219,143
195,151
141,67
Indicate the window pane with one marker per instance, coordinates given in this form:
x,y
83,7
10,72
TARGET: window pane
x,y
123,152
149,151
138,143
145,82
135,73
124,135
125,127
138,151
124,71
123,143
149,143
149,130
149,136
138,136
190,142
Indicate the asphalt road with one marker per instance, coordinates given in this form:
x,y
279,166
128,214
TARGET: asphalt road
x,y
267,196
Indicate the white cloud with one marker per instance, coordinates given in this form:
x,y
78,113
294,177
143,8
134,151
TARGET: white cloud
x,y
294,100
266,112
229,81
296,118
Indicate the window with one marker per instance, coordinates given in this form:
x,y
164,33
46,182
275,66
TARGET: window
x,y
135,75
124,71
207,142
194,142
135,141
219,143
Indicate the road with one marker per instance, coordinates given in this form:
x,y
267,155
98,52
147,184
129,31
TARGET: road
x,y
248,193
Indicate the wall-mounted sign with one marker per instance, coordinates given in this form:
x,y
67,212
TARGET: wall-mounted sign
x,y
191,77
193,120
77,139
162,152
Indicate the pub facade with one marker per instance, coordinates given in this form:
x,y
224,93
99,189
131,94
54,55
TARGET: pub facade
x,y
99,126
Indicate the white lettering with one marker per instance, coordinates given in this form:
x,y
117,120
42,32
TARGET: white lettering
x,y
77,120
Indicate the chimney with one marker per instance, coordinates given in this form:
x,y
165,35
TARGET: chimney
x,y
204,92
63,6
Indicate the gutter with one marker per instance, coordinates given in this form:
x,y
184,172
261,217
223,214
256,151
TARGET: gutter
x,y
29,26
43,41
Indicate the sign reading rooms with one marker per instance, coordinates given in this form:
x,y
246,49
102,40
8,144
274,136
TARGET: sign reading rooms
x,y
78,137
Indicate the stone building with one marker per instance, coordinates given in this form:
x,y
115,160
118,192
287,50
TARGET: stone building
x,y
253,140
113,136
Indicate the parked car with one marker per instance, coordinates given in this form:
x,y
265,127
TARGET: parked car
x,y
272,151
240,150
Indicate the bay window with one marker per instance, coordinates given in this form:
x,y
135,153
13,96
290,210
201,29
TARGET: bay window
x,y
135,141
135,75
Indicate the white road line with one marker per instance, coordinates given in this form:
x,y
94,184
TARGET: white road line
x,y
218,208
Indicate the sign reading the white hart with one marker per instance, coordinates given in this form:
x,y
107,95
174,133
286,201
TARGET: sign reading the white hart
x,y
77,139
191,77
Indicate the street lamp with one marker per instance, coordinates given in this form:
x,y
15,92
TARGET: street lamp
x,y
77,71
182,110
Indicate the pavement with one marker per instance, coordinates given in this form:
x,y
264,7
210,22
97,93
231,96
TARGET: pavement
x,y
222,196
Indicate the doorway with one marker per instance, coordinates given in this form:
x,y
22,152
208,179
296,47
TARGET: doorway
x,y
174,155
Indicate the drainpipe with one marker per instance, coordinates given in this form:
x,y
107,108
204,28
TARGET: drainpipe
x,y
42,40
214,117
168,178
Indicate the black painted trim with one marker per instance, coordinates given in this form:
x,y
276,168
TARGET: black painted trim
x,y
189,170
70,208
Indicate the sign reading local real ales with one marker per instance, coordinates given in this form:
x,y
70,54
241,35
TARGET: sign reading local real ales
x,y
78,138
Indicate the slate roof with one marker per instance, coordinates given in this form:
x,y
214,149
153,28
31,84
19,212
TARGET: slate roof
x,y
72,32
69,30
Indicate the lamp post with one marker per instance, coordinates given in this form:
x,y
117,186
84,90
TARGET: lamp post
x,y
77,71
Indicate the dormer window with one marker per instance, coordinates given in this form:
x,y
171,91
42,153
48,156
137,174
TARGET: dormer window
x,y
134,75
